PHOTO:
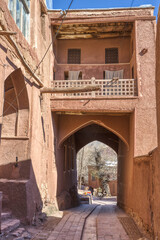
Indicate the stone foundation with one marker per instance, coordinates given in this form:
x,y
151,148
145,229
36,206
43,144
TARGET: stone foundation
x,y
20,191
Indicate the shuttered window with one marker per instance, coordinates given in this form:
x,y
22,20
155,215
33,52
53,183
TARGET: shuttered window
x,y
111,55
74,56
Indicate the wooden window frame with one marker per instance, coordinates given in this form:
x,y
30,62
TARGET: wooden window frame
x,y
72,54
20,11
111,59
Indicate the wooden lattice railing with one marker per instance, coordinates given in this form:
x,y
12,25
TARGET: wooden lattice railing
x,y
115,88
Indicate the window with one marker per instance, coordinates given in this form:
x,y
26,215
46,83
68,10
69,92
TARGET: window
x,y
74,56
19,10
111,55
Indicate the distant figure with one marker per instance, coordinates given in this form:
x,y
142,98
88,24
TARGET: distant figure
x,y
82,187
99,191
91,189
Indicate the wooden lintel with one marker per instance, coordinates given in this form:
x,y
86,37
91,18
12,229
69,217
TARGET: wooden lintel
x,y
88,88
7,33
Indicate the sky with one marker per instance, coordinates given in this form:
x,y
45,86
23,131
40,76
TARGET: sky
x,y
81,4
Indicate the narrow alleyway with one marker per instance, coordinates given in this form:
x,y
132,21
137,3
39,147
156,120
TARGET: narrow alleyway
x,y
102,220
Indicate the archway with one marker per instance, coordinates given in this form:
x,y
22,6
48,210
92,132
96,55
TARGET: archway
x,y
14,137
66,161
16,106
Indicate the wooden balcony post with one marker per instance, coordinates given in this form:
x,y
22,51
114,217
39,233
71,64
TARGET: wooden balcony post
x,y
93,83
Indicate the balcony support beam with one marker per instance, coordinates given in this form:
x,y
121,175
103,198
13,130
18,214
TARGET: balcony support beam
x,y
7,33
88,88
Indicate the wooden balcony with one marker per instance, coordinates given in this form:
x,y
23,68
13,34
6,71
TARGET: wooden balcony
x,y
110,88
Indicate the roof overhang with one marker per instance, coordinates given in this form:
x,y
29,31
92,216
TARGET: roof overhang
x,y
98,23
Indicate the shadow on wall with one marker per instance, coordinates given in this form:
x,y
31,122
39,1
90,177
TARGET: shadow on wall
x,y
20,191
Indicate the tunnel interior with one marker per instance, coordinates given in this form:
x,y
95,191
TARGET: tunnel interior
x,y
95,132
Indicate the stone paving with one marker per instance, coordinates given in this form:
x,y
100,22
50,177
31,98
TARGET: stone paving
x,y
99,221
108,225
71,226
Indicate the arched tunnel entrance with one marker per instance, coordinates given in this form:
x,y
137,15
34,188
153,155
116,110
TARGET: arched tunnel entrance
x,y
67,166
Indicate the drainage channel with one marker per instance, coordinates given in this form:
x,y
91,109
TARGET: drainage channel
x,y
89,230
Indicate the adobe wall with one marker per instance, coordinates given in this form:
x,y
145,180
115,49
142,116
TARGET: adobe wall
x,y
145,112
93,50
90,57
142,192
123,188
90,70
146,183
156,155
37,144
144,206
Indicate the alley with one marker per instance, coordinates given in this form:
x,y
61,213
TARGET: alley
x,y
102,220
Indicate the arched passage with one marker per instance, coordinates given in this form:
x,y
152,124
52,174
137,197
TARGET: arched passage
x,y
16,106
66,160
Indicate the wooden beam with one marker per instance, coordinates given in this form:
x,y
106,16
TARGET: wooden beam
x,y
98,35
6,33
66,29
87,88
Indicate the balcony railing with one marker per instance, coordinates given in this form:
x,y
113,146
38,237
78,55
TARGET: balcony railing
x,y
110,88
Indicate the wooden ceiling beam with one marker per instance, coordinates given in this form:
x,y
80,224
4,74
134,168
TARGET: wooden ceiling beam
x,y
96,30
89,36
99,30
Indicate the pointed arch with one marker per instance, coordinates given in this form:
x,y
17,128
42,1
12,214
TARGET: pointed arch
x,y
16,105
90,122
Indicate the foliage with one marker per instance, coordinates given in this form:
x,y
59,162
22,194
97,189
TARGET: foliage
x,y
102,158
